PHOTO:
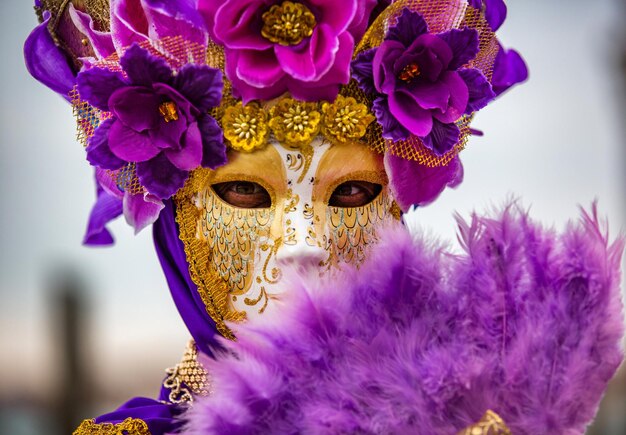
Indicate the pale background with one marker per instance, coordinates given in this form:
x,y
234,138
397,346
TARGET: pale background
x,y
555,142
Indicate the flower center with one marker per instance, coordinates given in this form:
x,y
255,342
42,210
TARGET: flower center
x,y
347,119
409,72
168,111
245,126
288,23
296,118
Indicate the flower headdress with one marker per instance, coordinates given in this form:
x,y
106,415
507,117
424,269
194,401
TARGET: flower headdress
x,y
160,88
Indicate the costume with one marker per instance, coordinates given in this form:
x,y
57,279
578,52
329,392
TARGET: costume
x,y
274,145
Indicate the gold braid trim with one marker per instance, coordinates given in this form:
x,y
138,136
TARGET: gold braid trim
x,y
490,424
130,426
212,289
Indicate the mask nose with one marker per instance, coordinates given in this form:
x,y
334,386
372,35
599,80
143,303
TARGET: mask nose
x,y
300,256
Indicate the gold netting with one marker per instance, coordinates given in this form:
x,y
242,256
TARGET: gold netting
x,y
177,52
440,15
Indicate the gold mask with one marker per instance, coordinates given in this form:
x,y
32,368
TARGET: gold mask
x,y
317,213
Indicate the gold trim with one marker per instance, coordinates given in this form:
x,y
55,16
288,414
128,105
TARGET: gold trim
x,y
188,378
130,426
490,424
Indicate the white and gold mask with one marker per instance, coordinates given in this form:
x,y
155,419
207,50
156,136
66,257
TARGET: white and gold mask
x,y
312,208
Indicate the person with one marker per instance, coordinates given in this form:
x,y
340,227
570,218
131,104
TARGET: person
x,y
268,138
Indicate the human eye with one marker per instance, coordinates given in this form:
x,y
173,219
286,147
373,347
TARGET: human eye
x,y
243,194
354,194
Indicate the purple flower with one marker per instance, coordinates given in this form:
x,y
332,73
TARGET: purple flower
x,y
419,82
158,119
311,65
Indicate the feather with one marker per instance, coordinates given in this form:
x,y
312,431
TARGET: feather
x,y
525,322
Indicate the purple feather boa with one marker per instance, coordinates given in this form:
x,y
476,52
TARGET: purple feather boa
x,y
524,321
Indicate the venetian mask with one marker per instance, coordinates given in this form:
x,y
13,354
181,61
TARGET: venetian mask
x,y
313,208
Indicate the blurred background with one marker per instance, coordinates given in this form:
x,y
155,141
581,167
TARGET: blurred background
x,y
84,329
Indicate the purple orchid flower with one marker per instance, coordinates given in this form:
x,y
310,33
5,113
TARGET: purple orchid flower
x,y
158,119
421,86
312,69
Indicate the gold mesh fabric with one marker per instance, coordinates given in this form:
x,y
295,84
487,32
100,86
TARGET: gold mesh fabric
x,y
440,15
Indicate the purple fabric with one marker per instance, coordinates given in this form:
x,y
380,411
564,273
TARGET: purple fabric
x,y
171,253
160,417
424,339
46,62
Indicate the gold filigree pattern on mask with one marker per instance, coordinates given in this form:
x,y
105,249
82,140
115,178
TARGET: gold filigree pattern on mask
x,y
490,424
352,229
345,119
295,123
130,426
233,235
288,23
262,296
245,127
188,378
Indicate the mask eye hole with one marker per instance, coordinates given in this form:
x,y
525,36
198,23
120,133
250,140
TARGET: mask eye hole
x,y
243,194
354,194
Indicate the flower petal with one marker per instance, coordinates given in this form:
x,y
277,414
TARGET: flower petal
x,y
238,25
144,69
459,96
442,137
189,155
256,68
479,88
338,18
136,107
312,59
213,148
384,59
362,70
141,210
128,23
409,114
101,42
160,177
96,85
358,26
408,28
432,54
509,69
98,152
175,18
392,129
106,208
464,46
46,62
431,95
129,145
201,85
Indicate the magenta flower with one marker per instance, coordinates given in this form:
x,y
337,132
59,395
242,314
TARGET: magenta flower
x,y
159,119
420,85
266,57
